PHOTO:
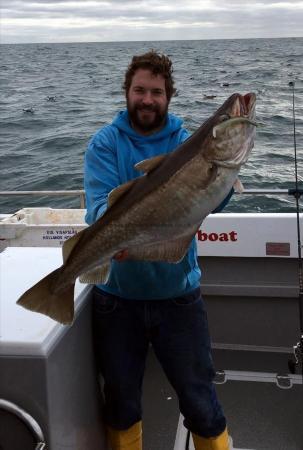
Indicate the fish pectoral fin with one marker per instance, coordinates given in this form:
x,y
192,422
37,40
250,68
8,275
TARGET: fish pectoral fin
x,y
116,193
238,186
70,244
171,251
41,298
147,165
98,275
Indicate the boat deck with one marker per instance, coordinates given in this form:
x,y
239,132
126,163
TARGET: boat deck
x,y
260,415
252,304
252,307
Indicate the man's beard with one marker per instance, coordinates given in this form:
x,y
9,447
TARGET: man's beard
x,y
146,125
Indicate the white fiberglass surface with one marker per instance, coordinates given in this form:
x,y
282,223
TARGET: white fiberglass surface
x,y
249,235
23,332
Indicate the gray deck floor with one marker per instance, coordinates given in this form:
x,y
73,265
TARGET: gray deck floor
x,y
261,416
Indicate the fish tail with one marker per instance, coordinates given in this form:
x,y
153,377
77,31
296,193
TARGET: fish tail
x,y
42,298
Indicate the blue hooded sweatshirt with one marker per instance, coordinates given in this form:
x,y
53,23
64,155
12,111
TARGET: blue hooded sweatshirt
x,y
109,161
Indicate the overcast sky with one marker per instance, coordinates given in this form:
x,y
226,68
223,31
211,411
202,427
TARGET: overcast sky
x,y
139,20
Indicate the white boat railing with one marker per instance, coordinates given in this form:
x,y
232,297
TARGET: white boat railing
x,y
81,193
71,193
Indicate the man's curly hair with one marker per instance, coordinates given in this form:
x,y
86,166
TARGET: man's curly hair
x,y
158,64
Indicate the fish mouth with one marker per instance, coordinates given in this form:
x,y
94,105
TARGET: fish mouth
x,y
247,104
234,131
240,106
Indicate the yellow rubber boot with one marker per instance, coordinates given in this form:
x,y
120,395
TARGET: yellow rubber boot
x,y
130,439
221,442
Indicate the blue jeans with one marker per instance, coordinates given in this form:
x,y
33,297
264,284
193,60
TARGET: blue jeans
x,y
178,331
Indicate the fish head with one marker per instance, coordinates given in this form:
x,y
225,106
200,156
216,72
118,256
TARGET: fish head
x,y
232,131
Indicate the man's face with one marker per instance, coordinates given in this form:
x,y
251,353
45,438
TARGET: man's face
x,y
147,102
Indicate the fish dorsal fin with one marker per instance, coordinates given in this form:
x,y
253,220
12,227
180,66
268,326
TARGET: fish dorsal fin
x,y
116,193
170,251
70,244
238,186
98,275
147,165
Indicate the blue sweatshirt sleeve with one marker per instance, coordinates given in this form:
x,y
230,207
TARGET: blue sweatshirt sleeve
x,y
100,174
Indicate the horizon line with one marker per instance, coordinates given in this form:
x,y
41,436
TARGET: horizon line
x,y
149,40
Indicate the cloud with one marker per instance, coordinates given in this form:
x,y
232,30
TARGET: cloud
x,y
110,20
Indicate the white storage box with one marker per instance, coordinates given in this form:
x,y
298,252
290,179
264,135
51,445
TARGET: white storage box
x,y
40,227
46,369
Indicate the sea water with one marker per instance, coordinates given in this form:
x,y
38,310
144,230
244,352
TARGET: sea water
x,y
54,97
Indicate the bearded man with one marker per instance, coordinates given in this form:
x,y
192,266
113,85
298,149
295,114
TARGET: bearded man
x,y
148,302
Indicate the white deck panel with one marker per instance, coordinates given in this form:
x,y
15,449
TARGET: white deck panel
x,y
23,332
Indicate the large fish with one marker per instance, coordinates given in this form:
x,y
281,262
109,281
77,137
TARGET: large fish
x,y
156,216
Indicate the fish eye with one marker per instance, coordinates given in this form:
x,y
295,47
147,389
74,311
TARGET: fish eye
x,y
224,117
